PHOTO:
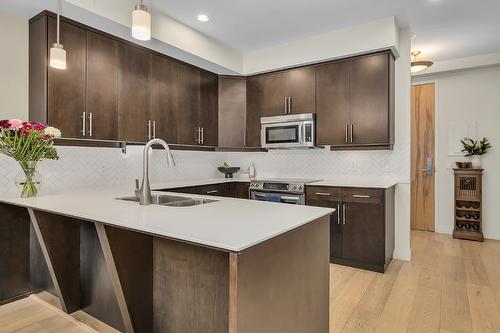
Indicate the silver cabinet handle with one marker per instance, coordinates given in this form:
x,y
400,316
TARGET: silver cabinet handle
x,y
212,192
202,136
91,120
361,196
289,105
198,140
84,123
323,194
343,214
154,129
352,131
346,133
338,214
286,106
148,124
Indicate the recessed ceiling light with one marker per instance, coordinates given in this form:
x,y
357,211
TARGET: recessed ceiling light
x,y
203,18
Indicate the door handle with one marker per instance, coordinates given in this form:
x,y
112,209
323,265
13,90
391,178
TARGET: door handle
x,y
212,192
352,131
346,133
289,105
361,196
84,124
323,194
429,166
285,111
338,214
343,214
148,124
154,129
202,136
198,135
91,120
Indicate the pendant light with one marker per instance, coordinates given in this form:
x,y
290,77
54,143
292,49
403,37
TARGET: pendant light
x,y
417,66
141,22
57,52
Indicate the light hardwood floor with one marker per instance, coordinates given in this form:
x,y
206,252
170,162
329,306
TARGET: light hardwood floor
x,y
450,286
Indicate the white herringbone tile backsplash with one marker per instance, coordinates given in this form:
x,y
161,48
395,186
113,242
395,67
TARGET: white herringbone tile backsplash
x,y
89,167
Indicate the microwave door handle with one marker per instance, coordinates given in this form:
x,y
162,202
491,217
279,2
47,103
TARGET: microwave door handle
x,y
302,133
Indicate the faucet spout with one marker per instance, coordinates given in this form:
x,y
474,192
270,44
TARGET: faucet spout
x,y
144,193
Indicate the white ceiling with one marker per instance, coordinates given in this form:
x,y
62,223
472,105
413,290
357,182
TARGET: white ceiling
x,y
444,29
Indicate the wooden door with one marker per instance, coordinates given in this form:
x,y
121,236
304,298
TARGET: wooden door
x,y
189,103
332,103
66,88
422,156
369,100
209,108
301,88
255,104
164,98
336,238
134,78
363,233
102,86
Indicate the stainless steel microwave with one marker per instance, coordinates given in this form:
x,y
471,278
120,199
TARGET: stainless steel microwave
x,y
290,131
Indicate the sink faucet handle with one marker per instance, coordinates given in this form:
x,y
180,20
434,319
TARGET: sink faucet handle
x,y
136,184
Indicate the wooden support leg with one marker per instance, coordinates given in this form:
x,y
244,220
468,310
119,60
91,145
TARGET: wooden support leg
x,y
59,241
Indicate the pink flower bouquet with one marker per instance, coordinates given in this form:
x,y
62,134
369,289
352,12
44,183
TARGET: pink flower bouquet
x,y
28,143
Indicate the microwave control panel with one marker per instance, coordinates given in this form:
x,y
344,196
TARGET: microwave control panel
x,y
308,130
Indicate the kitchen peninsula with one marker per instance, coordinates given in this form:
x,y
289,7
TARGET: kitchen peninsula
x,y
230,265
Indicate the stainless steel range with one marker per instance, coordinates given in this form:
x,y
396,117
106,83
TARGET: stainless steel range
x,y
291,191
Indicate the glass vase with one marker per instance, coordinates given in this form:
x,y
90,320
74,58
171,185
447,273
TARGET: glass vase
x,y
29,180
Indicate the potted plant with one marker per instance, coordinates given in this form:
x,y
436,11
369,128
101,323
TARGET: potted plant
x,y
474,149
28,143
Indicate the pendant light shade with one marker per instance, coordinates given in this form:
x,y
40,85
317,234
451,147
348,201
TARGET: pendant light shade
x,y
57,58
141,22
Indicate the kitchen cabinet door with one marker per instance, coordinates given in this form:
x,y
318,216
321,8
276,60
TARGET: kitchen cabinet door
x,y
276,90
66,88
209,108
332,103
241,190
363,233
336,238
102,86
255,105
134,78
189,102
301,88
164,98
369,109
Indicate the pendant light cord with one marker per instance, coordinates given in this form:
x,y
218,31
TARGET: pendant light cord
x,y
59,7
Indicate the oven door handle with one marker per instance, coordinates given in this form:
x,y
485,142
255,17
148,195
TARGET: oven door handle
x,y
296,199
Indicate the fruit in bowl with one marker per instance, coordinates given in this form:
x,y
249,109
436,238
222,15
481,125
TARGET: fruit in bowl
x,y
228,170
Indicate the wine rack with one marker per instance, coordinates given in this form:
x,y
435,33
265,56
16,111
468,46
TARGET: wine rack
x,y
468,204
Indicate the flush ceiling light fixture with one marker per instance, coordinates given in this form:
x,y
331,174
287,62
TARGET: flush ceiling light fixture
x,y
203,18
57,52
417,66
141,22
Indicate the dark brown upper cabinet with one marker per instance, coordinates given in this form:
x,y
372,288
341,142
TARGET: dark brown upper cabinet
x,y
355,102
188,131
209,108
66,88
280,93
164,98
101,87
134,78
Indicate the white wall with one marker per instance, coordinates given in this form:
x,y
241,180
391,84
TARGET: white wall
x,y
372,36
13,67
462,99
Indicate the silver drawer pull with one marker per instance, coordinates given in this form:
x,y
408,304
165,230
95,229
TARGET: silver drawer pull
x,y
323,194
212,191
361,196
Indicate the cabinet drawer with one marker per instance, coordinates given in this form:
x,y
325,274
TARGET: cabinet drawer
x,y
215,189
324,193
363,195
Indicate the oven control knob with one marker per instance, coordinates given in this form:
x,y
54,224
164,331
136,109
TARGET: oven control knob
x,y
300,187
294,187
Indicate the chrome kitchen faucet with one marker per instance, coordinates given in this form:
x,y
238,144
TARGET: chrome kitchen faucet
x,y
144,193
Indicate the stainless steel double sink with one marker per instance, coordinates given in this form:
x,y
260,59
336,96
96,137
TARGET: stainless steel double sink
x,y
172,200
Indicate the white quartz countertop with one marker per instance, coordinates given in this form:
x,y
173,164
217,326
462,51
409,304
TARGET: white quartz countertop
x,y
362,183
227,224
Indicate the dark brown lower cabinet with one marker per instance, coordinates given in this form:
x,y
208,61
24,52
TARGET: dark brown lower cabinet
x,y
362,227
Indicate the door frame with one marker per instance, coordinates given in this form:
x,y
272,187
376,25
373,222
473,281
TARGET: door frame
x,y
415,82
